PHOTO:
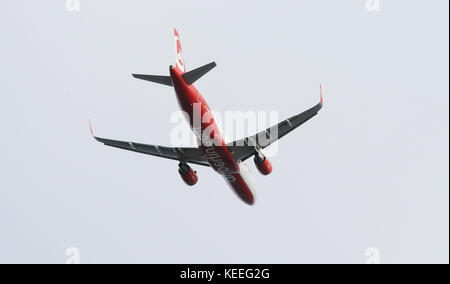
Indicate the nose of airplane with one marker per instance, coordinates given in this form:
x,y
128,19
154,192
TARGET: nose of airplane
x,y
250,201
245,193
248,198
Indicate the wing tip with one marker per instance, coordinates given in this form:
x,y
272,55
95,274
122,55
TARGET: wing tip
x,y
90,128
321,94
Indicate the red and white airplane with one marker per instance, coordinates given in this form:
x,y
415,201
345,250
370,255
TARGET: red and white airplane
x,y
225,159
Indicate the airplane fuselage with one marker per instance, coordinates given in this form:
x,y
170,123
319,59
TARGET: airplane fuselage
x,y
215,151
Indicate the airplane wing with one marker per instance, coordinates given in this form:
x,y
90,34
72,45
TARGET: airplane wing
x,y
247,147
188,155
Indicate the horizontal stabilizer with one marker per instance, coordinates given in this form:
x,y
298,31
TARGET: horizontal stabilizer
x,y
165,80
193,75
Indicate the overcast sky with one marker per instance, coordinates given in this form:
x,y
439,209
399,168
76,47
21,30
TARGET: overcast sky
x,y
371,170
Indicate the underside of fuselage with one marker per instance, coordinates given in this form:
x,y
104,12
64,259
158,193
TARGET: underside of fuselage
x,y
237,174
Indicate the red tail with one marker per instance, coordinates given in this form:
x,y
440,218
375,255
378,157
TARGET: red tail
x,y
179,53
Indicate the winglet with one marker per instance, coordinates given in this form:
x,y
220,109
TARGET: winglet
x,y
90,127
321,94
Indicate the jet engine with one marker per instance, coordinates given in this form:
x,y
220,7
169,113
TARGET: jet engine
x,y
187,174
263,164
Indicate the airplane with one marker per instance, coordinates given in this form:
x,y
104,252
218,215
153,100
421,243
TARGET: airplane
x,y
227,159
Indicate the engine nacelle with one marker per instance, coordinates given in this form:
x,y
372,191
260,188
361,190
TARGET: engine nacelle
x,y
263,164
187,174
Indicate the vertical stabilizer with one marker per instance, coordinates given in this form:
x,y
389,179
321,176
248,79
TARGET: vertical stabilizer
x,y
178,53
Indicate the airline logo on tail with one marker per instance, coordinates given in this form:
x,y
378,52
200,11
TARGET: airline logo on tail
x,y
178,52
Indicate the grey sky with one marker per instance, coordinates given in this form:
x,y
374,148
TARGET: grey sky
x,y
370,170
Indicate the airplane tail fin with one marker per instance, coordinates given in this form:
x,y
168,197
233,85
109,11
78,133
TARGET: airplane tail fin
x,y
190,77
178,52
